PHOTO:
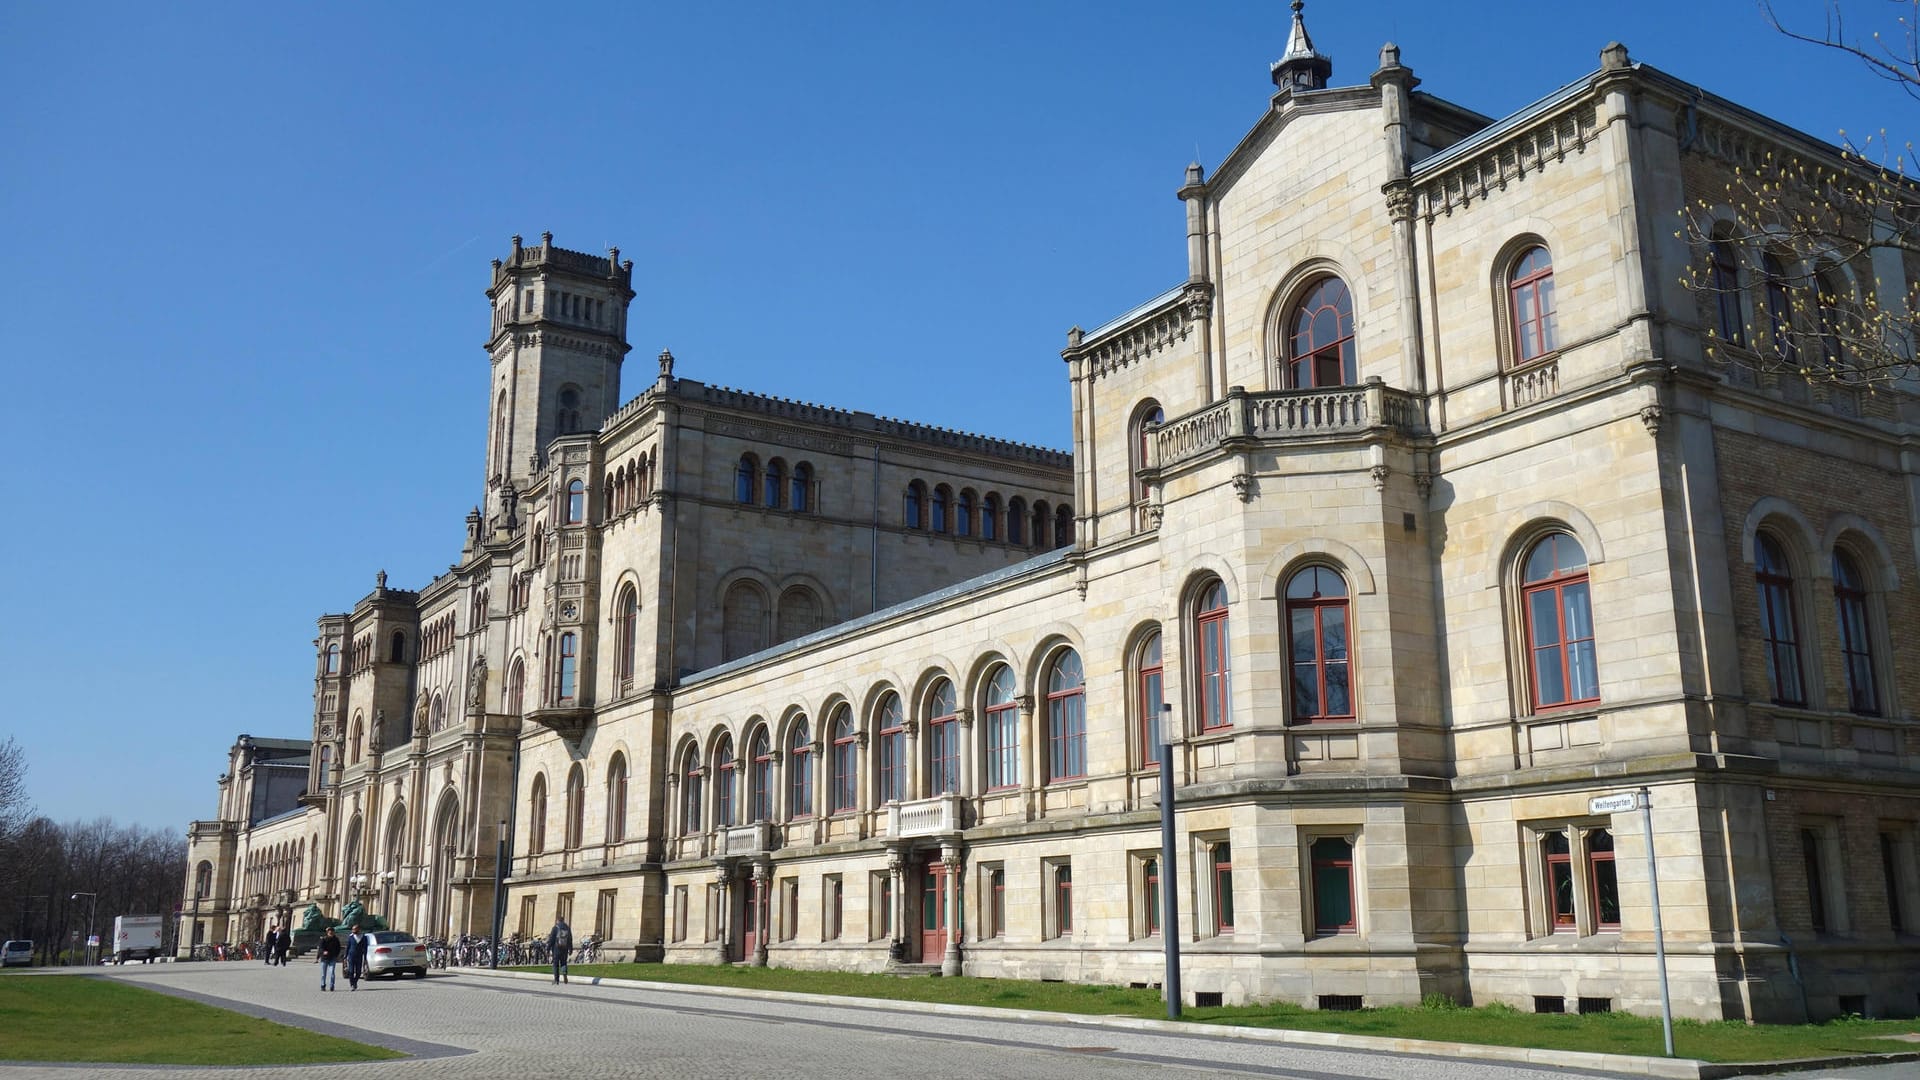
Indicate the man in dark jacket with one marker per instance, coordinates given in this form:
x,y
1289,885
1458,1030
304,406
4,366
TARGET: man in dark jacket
x,y
282,944
330,949
560,940
356,957
267,946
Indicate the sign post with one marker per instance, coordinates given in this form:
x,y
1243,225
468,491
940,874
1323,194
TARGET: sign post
x,y
1643,801
1169,890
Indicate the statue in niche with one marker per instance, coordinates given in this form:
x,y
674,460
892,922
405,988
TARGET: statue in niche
x,y
477,686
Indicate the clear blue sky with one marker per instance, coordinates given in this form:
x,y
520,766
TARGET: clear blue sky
x,y
249,241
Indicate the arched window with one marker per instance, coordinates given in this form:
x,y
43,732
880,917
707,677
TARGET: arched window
x,y
354,743
397,648
1038,526
537,817
1780,310
776,482
1333,904
943,740
564,675
942,496
617,799
799,771
760,773
326,766
690,793
1062,525
1320,337
1150,417
1856,644
576,502
333,660
799,613
1530,293
1150,697
916,505
743,621
1559,858
1318,646
576,805
845,779
1831,313
500,435
1724,280
1016,521
990,517
568,418
743,475
963,514
1603,881
626,633
1066,718
203,881
800,498
1210,646
892,730
1003,730
1559,623
1779,622
439,714
517,687
726,781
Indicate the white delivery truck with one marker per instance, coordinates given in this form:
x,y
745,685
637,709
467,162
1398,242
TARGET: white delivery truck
x,y
136,937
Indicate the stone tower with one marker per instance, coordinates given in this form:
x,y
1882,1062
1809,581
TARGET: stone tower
x,y
559,336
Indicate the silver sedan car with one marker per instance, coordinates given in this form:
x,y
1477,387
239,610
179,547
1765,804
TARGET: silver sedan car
x,y
393,952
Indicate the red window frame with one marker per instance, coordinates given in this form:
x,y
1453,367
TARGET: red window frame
x,y
1003,731
1066,718
1856,640
997,897
1320,339
1151,698
726,782
1779,621
1603,882
1220,859
1558,854
1530,293
1323,858
565,688
943,741
1150,880
892,747
1561,586
1725,279
846,763
760,777
1210,639
886,906
799,772
1318,607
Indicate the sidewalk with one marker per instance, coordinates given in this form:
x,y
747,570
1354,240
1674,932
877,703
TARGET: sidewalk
x,y
1619,1064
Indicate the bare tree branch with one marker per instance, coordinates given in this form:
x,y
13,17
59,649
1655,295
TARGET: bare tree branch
x,y
1898,64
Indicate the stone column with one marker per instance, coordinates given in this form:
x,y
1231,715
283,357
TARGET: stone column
x,y
1029,757
762,877
951,862
896,905
723,875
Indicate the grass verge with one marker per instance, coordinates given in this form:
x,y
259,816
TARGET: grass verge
x,y
67,1018
1493,1025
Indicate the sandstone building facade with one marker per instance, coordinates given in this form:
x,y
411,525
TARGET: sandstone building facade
x,y
1420,500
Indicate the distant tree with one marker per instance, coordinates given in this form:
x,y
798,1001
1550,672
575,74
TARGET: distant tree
x,y
13,789
1810,237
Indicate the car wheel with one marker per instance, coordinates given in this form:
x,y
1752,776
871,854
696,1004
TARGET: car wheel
x,y
419,973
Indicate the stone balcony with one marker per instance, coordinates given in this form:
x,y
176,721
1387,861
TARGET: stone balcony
x,y
569,722
938,816
754,839
1370,410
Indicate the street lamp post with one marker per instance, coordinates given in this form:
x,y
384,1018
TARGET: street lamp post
x,y
92,899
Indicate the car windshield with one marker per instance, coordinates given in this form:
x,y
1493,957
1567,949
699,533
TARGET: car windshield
x,y
391,937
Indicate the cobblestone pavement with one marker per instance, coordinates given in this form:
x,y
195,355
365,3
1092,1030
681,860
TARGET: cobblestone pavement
x,y
480,1026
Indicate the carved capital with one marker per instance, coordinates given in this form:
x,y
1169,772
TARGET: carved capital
x,y
1243,486
1423,481
1198,298
1399,201
1650,416
1379,474
1155,512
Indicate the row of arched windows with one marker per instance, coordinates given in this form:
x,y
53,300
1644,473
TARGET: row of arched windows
x,y
273,869
629,485
749,623
775,485
967,513
1782,594
438,636
574,808
1797,312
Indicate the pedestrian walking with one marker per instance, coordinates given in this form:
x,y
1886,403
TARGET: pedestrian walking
x,y
283,944
560,941
329,952
356,957
273,935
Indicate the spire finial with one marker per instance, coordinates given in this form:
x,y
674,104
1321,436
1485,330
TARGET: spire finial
x,y
1301,67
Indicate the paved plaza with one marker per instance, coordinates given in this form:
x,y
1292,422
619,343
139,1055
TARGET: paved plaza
x,y
478,1025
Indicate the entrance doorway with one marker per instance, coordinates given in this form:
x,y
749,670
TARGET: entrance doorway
x,y
750,928
934,883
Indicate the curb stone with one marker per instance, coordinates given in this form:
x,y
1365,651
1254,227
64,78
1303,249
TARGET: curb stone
x,y
1623,1064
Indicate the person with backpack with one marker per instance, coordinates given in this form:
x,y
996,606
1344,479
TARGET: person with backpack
x,y
560,940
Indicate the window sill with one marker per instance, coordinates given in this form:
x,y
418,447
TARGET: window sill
x,y
1570,941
